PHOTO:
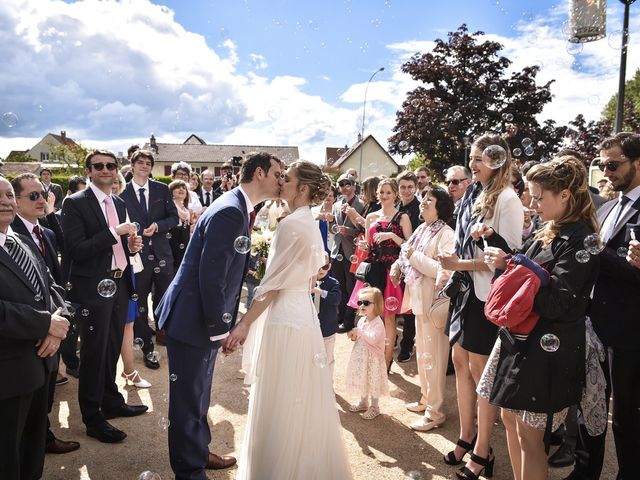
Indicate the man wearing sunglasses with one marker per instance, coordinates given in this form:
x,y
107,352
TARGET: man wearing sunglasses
x,y
99,241
51,188
457,179
151,206
344,247
614,311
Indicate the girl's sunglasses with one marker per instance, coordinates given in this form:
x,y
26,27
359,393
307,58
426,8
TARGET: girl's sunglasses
x,y
366,303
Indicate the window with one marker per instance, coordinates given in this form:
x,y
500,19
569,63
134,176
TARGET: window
x,y
44,157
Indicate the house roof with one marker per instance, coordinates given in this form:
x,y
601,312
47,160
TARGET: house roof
x,y
16,168
15,153
69,142
195,139
204,153
332,154
355,147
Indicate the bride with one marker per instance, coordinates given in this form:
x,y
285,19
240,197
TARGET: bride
x,y
293,430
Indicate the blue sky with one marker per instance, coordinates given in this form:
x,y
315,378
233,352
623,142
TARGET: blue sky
x,y
263,72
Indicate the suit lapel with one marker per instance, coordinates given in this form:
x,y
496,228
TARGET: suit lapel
x,y
134,203
10,263
243,206
625,217
94,205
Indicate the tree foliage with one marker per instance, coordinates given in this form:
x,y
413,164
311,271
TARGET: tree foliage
x,y
467,91
631,110
584,137
71,156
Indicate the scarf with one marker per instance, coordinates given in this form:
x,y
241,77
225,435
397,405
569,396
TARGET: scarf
x,y
418,241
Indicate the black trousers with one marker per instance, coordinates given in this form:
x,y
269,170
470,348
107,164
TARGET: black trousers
x,y
408,333
69,345
23,426
147,281
101,331
622,369
347,280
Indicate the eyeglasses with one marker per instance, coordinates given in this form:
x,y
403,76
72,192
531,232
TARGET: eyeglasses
x,y
455,181
100,166
344,184
325,267
34,196
611,166
366,303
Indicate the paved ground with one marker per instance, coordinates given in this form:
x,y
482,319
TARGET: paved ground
x,y
384,448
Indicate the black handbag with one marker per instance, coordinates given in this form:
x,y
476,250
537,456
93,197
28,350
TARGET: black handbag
x,y
375,273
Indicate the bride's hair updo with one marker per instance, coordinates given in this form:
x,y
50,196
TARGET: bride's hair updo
x,y
311,175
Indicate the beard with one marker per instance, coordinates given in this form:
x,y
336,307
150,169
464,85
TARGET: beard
x,y
626,181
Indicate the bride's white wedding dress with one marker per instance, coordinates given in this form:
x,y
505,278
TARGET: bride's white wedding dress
x,y
293,431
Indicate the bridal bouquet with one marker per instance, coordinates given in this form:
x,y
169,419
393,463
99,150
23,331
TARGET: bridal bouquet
x,y
260,244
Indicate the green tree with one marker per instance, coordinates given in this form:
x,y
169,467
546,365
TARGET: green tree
x,y
631,110
19,157
72,156
584,137
467,91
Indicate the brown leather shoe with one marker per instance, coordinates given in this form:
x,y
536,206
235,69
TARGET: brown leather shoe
x,y
60,446
217,462
161,338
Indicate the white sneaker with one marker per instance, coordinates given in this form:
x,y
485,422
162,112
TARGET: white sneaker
x,y
425,424
416,407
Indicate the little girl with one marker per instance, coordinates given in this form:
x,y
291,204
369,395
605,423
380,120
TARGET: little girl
x,y
367,372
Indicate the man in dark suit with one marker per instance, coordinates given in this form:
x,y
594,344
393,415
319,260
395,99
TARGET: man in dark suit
x,y
614,312
99,241
208,192
31,330
151,206
198,310
31,205
345,233
51,188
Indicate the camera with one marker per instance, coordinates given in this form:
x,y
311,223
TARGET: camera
x,y
229,175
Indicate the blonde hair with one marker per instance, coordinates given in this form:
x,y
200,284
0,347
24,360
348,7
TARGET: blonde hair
x,y
392,183
501,179
311,175
376,295
565,173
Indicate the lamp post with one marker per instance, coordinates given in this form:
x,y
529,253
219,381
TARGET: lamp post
x,y
364,109
623,65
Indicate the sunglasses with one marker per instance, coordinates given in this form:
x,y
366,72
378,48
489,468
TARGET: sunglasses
x,y
455,181
344,184
325,267
611,166
100,166
366,303
34,196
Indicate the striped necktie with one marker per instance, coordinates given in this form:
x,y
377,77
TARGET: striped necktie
x,y
24,262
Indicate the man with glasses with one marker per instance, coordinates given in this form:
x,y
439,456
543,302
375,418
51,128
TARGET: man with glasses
x,y
151,206
614,312
208,193
53,188
99,240
344,248
31,203
457,179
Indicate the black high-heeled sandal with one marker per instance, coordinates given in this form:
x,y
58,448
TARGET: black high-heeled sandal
x,y
487,467
450,458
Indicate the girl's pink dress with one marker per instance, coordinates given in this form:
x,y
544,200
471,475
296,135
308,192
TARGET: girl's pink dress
x,y
390,253
367,372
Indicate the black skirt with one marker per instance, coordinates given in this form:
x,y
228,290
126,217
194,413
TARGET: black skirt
x,y
477,335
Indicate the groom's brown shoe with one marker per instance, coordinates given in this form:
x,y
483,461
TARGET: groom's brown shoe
x,y
217,462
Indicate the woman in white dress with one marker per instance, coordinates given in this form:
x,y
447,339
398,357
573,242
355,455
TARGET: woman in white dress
x,y
293,430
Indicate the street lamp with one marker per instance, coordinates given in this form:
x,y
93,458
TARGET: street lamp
x,y
364,109
623,65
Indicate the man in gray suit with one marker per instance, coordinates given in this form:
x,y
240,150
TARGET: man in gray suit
x,y
344,248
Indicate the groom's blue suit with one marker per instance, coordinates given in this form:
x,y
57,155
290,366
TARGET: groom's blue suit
x,y
206,287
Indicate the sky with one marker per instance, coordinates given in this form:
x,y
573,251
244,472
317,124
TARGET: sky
x,y
266,72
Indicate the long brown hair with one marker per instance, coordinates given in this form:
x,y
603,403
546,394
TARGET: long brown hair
x,y
501,179
565,173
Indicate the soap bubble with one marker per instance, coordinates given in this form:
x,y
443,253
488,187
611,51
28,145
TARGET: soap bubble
x,y
415,103
226,318
574,48
353,259
134,297
338,257
320,360
173,377
148,475
593,244
493,87
156,269
107,288
403,145
583,256
137,226
153,356
164,423
259,294
69,286
138,343
162,263
526,142
168,235
335,229
494,157
622,251
151,258
391,304
181,246
517,152
529,151
550,342
615,41
413,475
242,244
593,100
37,297
10,119
427,360
508,117
84,312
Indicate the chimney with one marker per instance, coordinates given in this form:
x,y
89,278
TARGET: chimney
x,y
63,135
359,137
152,142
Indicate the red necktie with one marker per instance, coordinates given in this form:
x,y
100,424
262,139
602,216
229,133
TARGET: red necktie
x,y
38,233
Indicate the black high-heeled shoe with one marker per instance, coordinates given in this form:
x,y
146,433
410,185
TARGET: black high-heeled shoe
x,y
450,458
487,467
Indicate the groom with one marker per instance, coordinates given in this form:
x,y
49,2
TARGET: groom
x,y
198,308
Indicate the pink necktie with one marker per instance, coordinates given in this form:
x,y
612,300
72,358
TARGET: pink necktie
x,y
112,220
